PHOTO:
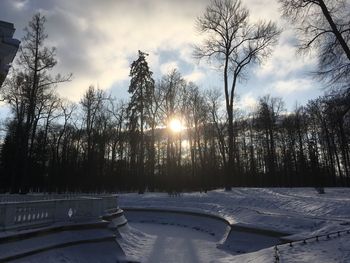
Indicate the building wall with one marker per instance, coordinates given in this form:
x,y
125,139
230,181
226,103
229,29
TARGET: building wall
x,y
8,48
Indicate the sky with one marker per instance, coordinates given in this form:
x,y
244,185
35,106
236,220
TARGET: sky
x,y
98,40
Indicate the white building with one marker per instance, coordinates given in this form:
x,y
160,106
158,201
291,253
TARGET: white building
x,y
8,48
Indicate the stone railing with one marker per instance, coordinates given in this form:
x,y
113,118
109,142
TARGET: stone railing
x,y
28,211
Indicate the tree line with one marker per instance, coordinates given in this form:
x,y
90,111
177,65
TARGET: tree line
x,y
105,144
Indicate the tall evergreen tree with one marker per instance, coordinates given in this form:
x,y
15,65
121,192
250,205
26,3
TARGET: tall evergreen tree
x,y
141,89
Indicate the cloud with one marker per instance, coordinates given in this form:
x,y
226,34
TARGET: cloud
x,y
20,4
168,66
262,10
284,60
194,76
286,87
98,40
247,102
97,43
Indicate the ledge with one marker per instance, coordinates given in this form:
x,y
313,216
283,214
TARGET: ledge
x,y
20,245
234,227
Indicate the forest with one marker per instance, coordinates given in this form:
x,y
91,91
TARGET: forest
x,y
171,134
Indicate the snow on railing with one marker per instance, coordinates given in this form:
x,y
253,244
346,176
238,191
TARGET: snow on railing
x,y
5,198
304,241
26,211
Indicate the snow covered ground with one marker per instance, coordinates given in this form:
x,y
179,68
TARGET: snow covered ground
x,y
175,244
102,252
298,212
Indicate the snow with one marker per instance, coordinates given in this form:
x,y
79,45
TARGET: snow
x,y
297,212
61,242
325,251
42,241
174,244
287,210
136,244
173,236
212,226
103,252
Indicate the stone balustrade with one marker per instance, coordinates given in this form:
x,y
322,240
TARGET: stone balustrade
x,y
28,211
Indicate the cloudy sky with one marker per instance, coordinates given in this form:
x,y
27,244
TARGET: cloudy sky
x,y
98,40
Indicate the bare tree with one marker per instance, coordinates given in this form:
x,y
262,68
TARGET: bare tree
x,y
269,111
323,26
92,106
234,43
30,92
171,88
196,110
214,97
118,111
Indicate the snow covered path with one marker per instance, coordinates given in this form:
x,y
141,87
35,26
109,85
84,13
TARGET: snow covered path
x,y
175,244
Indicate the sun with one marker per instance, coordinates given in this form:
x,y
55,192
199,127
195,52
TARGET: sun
x,y
175,125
